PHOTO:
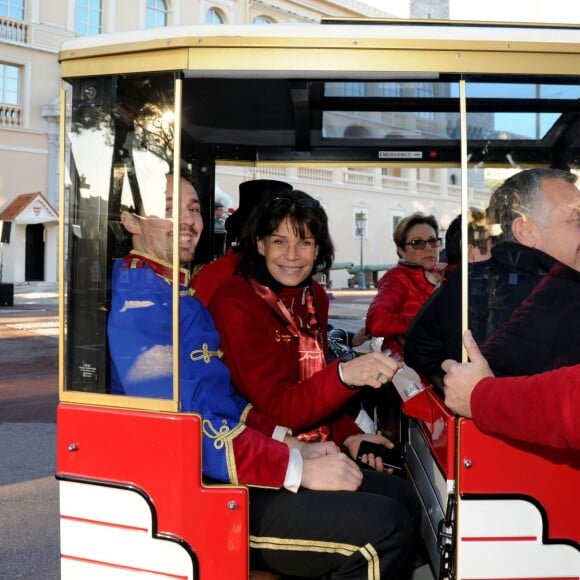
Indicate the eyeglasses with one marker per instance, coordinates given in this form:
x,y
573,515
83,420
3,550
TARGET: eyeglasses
x,y
419,244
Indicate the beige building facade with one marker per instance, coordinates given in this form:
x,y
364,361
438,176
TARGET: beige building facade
x,y
31,33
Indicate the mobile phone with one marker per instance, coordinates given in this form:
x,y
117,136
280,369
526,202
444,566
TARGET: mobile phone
x,y
392,458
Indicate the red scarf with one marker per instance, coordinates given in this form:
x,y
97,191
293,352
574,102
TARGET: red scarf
x,y
310,354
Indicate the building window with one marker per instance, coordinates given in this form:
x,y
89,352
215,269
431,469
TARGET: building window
x,y
396,217
13,9
10,108
9,84
214,16
262,20
155,14
88,17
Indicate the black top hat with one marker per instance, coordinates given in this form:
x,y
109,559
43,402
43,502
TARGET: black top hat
x,y
252,193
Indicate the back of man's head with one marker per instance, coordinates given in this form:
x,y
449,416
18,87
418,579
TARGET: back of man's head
x,y
453,241
520,196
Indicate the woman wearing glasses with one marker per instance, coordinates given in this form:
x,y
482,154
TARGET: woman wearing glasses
x,y
273,318
403,289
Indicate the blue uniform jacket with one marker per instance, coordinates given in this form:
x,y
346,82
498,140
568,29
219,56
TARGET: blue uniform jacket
x,y
140,341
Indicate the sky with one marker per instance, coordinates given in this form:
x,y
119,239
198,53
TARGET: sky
x,y
554,11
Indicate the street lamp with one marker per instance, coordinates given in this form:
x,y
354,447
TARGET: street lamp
x,y
360,219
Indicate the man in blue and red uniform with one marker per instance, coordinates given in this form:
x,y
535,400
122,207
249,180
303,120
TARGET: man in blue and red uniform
x,y
312,511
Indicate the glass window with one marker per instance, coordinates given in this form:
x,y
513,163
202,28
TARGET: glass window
x,y
88,17
107,182
156,14
410,110
12,9
262,20
213,16
9,84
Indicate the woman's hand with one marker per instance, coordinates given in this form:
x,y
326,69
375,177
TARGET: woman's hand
x,y
373,369
353,442
437,274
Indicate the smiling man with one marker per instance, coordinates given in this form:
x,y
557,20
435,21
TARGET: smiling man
x,y
534,290
154,234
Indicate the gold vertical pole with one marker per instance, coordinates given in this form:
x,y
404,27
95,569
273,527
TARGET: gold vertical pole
x,y
464,212
176,218
61,235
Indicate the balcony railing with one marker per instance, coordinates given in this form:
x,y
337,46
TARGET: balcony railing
x,y
13,31
11,115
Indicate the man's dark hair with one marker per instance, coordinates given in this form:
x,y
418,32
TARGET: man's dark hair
x,y
453,241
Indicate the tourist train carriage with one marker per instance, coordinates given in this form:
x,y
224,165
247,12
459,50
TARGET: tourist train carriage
x,y
375,118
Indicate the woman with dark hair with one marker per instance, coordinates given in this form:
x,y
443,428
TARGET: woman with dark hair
x,y
273,321
403,289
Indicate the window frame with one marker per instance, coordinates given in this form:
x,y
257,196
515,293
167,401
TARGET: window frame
x,y
10,6
156,14
89,8
3,76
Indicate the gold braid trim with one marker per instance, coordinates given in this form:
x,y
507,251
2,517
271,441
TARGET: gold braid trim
x,y
224,438
246,412
205,354
294,545
371,556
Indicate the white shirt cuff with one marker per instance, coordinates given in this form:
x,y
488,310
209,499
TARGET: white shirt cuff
x,y
281,432
294,471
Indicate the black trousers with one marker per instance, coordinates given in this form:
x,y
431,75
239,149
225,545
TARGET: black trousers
x,y
369,534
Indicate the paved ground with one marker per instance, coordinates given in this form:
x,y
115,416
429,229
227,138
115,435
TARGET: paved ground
x,y
29,545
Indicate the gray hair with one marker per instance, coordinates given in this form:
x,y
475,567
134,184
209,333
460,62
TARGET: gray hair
x,y
520,195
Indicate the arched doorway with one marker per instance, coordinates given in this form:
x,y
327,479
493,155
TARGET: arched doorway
x,y
34,259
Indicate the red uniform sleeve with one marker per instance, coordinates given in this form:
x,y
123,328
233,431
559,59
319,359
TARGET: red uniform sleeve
x,y
262,357
259,460
540,409
261,422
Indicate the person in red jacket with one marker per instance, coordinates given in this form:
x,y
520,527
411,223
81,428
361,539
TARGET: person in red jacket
x,y
273,321
403,289
540,409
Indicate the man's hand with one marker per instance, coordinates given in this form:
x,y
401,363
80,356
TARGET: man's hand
x,y
334,472
461,378
312,450
373,369
353,442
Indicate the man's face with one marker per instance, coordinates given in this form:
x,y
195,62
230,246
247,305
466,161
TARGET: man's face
x,y
558,235
154,234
